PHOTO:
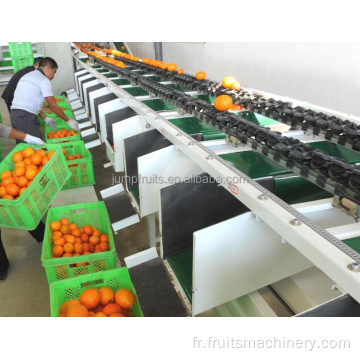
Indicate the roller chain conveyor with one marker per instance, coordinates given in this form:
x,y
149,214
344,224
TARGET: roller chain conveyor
x,y
334,175
336,172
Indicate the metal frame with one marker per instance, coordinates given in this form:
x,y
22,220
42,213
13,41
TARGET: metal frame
x,y
323,249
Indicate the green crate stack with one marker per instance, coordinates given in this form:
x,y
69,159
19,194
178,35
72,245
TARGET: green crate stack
x,y
21,54
65,290
81,215
82,171
27,211
60,125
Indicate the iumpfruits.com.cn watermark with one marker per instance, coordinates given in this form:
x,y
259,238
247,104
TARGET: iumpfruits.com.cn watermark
x,y
274,343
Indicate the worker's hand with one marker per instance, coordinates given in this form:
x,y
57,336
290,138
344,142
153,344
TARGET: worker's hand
x,y
51,122
73,124
33,140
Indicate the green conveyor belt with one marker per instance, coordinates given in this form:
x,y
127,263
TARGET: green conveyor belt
x,y
159,105
254,164
182,265
135,192
102,70
121,82
191,125
118,46
338,151
179,87
257,118
354,243
136,91
112,75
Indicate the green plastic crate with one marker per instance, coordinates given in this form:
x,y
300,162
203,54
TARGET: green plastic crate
x,y
20,49
71,289
60,125
5,63
82,171
6,54
22,62
27,211
68,113
81,215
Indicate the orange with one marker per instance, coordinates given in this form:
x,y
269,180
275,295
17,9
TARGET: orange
x,y
59,242
78,240
57,251
56,232
64,229
28,152
77,310
78,156
51,154
41,152
5,174
72,227
91,248
86,248
94,240
67,254
64,151
100,314
78,248
7,181
104,238
88,230
36,159
19,171
23,181
26,161
68,248
30,174
111,309
117,315
125,298
107,295
76,233
12,189
81,264
55,225
90,298
69,239
2,192
200,75
44,160
96,233
223,103
228,81
8,197
235,85
65,221
104,246
172,67
76,254
180,71
236,107
22,190
19,163
71,157
17,157
31,166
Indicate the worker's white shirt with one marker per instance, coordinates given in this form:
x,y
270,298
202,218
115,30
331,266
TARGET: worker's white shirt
x,y
31,91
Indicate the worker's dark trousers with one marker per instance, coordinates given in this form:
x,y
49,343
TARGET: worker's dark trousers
x,y
37,234
26,122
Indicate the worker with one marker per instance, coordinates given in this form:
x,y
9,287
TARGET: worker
x,y
31,91
8,133
8,94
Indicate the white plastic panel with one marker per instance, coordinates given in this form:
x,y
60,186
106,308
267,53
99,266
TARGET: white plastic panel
x,y
106,108
236,257
168,164
87,85
93,95
83,78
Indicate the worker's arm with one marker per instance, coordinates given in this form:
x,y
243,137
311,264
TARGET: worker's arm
x,y
42,115
57,110
9,133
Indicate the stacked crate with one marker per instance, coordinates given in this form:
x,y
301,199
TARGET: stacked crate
x,y
21,55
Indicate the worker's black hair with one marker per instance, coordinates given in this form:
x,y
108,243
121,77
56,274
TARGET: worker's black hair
x,y
48,61
37,60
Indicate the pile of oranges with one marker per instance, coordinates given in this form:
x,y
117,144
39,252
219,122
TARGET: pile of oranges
x,y
69,240
229,82
62,134
103,302
27,164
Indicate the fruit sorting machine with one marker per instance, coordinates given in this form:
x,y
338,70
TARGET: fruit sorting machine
x,y
282,213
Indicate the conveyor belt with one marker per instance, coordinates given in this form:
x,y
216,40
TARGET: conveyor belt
x,y
332,174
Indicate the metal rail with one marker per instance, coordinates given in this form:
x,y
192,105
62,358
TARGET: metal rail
x,y
324,250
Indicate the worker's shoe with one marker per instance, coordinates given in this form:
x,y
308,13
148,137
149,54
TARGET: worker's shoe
x,y
3,276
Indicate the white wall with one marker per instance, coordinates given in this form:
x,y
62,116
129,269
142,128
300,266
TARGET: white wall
x,y
326,74
64,77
